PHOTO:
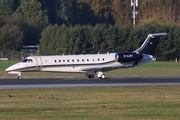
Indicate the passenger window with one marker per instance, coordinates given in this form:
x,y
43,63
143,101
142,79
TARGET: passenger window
x,y
78,60
72,60
67,60
98,59
83,60
87,59
59,60
63,60
54,60
103,59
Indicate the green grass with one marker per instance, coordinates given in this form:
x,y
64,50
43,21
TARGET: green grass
x,y
92,103
5,64
151,69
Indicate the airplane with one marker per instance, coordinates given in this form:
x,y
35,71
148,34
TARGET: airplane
x,y
90,64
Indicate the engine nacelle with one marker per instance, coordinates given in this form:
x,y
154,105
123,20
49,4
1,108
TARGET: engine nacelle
x,y
128,57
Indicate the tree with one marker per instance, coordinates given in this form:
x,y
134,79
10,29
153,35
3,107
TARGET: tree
x,y
31,12
101,10
66,12
10,38
52,7
47,41
35,19
121,12
61,40
159,11
7,7
85,14
96,39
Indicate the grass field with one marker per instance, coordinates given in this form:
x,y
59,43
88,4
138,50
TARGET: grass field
x,y
151,69
91,103
94,103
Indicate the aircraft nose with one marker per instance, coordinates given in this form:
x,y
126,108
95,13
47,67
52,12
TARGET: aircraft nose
x,y
8,69
14,67
11,68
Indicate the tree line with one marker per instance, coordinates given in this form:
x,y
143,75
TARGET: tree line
x,y
103,38
86,26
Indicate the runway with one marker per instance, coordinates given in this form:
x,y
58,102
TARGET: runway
x,y
85,82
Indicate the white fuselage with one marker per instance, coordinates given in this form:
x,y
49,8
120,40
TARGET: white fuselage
x,y
73,63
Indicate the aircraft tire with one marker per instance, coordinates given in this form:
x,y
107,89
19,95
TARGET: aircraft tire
x,y
103,76
90,76
19,78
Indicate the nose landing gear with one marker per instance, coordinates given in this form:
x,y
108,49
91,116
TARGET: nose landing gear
x,y
19,77
14,72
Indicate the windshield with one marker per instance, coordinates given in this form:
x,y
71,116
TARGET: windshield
x,y
25,60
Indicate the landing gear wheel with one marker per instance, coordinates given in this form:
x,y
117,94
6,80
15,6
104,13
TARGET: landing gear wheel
x,y
90,76
19,77
103,76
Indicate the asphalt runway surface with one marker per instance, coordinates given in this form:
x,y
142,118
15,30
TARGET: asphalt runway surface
x,y
85,82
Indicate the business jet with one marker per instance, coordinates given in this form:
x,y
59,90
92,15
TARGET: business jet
x,y
90,64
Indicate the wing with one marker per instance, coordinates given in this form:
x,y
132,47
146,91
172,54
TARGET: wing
x,y
103,68
98,68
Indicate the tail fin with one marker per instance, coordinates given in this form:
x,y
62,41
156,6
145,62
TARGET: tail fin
x,y
150,44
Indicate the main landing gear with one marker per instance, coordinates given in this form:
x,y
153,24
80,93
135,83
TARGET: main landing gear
x,y
90,76
99,75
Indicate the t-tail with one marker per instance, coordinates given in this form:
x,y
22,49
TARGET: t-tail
x,y
148,48
150,44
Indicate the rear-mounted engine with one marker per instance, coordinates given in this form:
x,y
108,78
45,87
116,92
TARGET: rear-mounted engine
x,y
128,57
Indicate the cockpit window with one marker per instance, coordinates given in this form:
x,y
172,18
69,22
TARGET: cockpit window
x,y
25,60
30,60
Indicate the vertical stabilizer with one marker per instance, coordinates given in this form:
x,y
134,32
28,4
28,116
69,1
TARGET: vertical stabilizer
x,y
150,44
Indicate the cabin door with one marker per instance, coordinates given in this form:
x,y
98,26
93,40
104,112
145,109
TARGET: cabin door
x,y
38,63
